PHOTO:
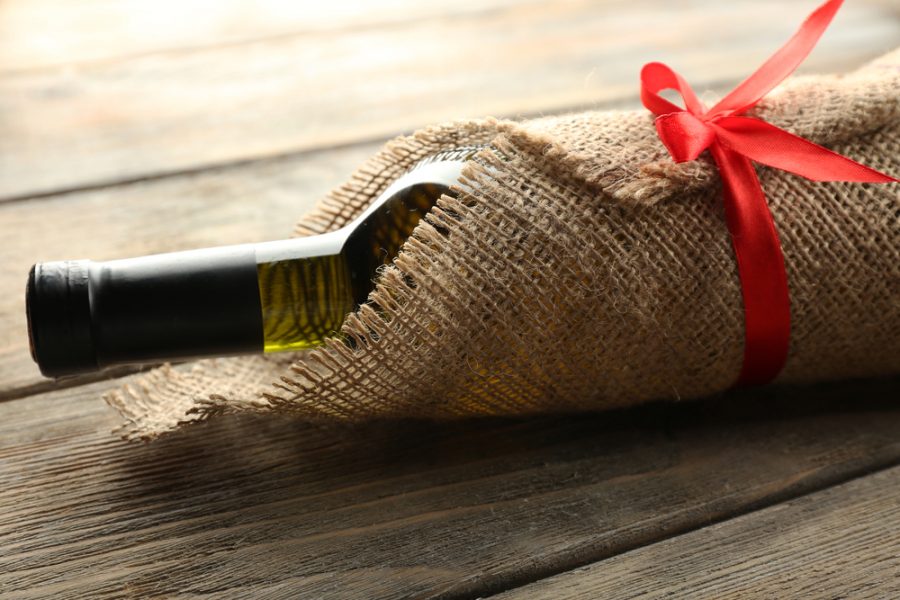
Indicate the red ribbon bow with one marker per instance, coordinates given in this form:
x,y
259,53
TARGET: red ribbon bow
x,y
733,142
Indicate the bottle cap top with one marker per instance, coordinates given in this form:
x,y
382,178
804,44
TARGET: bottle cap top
x,y
59,318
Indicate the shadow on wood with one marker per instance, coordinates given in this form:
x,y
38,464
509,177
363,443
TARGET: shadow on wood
x,y
413,508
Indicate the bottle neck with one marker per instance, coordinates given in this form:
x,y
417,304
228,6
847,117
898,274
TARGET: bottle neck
x,y
240,299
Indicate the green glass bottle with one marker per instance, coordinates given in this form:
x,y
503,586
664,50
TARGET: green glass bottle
x,y
267,297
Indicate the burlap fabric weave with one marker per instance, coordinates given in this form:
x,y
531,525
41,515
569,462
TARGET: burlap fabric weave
x,y
579,268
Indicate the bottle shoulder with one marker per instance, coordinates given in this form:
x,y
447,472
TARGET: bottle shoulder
x,y
325,244
441,170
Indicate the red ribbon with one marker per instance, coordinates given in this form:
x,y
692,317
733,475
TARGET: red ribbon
x,y
733,142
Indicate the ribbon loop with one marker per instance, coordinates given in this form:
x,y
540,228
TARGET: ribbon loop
x,y
656,77
734,142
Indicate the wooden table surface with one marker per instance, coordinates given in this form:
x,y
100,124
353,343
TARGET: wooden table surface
x,y
144,126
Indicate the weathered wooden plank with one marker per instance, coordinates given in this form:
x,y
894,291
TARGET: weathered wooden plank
x,y
272,508
843,542
255,202
91,124
37,34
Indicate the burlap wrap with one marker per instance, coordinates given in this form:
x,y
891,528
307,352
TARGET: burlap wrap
x,y
584,270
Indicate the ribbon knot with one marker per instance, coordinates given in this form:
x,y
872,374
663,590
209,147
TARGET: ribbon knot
x,y
685,135
735,142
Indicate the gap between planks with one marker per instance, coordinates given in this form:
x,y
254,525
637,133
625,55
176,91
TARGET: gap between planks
x,y
839,542
625,101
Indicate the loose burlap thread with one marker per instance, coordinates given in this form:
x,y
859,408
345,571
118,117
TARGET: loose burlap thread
x,y
578,268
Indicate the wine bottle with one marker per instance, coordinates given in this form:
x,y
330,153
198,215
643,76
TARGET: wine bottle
x,y
266,297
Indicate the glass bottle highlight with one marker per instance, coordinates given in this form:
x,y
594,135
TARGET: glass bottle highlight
x,y
266,297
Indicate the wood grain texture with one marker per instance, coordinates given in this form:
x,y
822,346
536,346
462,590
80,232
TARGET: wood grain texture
x,y
41,34
97,123
249,203
271,508
101,92
843,542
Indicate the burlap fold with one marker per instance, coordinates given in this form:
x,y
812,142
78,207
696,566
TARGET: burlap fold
x,y
579,268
